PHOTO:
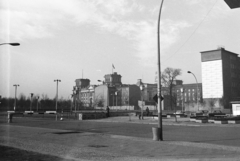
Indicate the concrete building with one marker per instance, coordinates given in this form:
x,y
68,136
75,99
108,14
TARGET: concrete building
x,y
188,96
220,77
110,93
83,94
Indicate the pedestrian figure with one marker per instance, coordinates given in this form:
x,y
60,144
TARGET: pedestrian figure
x,y
108,111
147,110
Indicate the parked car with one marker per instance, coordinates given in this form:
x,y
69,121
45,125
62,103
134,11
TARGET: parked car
x,y
216,113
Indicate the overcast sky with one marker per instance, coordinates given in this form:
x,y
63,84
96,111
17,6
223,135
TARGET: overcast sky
x,y
61,38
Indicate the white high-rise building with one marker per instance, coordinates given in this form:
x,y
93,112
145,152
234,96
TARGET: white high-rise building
x,y
220,75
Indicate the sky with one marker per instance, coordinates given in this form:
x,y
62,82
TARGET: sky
x,y
72,39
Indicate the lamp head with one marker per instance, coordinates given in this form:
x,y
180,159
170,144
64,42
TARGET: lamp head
x,y
189,72
14,44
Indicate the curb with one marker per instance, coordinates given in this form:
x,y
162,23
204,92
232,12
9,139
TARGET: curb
x,y
148,123
169,124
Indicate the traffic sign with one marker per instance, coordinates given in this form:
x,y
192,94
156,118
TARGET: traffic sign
x,y
155,98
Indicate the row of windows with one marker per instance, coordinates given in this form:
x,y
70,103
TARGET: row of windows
x,y
86,94
189,90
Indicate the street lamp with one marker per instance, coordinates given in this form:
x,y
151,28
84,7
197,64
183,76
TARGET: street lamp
x,y
71,102
15,100
74,98
31,102
142,90
160,129
182,91
100,81
57,80
37,102
13,44
197,87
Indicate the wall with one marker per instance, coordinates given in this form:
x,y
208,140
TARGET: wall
x,y
101,93
212,79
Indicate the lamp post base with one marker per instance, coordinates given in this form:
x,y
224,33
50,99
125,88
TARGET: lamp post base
x,y
156,133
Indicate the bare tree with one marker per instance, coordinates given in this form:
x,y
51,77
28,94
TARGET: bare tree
x,y
168,76
212,102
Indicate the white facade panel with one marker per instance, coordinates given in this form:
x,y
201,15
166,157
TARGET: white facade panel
x,y
212,79
236,109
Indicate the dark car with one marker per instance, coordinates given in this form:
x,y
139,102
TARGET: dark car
x,y
216,113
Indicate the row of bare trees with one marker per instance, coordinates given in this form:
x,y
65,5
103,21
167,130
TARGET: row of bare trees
x,y
40,103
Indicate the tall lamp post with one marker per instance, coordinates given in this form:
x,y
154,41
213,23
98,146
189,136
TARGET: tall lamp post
x,y
71,102
31,94
15,100
74,98
197,87
37,102
142,90
13,44
57,80
182,91
160,129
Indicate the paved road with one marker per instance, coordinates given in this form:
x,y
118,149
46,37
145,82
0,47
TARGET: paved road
x,y
120,140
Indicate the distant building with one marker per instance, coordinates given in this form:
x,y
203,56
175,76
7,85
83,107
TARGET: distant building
x,y
110,93
188,96
83,94
184,96
220,76
113,79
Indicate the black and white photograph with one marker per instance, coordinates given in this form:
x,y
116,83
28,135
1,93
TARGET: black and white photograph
x,y
119,80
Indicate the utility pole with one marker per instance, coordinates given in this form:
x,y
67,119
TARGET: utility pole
x,y
57,80
31,102
15,100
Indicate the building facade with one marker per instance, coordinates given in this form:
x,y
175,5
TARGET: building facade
x,y
115,94
110,93
220,76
